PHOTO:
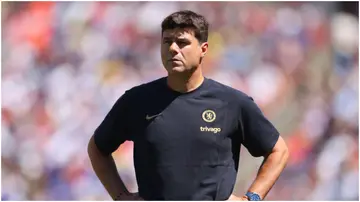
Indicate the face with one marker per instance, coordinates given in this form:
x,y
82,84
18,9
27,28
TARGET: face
x,y
181,51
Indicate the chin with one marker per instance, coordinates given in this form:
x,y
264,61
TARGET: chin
x,y
176,69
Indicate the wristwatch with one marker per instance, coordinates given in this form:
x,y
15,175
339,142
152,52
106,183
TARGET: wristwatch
x,y
253,196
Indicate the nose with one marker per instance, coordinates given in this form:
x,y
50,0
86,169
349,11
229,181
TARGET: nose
x,y
174,48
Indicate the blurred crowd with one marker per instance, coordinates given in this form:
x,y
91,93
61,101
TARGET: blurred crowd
x,y
64,64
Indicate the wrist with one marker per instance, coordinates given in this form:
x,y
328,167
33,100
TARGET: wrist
x,y
122,196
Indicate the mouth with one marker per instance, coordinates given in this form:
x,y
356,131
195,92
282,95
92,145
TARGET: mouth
x,y
174,62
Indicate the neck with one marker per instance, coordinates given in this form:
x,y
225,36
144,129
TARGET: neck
x,y
185,82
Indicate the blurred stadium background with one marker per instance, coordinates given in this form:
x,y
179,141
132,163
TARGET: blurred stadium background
x,y
65,63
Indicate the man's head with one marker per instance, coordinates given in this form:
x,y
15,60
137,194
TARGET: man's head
x,y
184,41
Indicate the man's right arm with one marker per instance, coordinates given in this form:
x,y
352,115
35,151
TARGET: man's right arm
x,y
105,169
109,135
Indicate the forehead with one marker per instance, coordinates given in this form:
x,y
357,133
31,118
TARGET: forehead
x,y
178,33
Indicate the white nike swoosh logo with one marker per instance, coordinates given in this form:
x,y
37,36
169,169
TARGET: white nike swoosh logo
x,y
151,117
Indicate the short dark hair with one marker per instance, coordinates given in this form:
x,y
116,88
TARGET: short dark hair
x,y
190,20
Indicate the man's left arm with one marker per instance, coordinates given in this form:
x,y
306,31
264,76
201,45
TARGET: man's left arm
x,y
270,170
261,138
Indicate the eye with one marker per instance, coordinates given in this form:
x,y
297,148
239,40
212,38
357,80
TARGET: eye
x,y
182,43
167,41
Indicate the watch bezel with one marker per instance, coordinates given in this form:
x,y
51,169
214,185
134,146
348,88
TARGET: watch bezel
x,y
253,196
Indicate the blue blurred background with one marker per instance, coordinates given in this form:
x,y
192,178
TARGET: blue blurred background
x,y
64,64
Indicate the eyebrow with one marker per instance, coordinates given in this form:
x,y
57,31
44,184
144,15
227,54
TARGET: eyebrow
x,y
175,38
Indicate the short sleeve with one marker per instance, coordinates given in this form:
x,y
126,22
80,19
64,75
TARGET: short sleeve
x,y
259,134
113,130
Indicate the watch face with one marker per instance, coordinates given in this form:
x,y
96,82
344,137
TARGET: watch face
x,y
255,197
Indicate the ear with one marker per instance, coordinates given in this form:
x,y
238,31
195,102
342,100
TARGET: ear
x,y
204,48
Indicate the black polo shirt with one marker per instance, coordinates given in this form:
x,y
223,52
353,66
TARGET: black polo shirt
x,y
186,145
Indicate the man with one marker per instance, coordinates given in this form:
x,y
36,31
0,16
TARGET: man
x,y
187,130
